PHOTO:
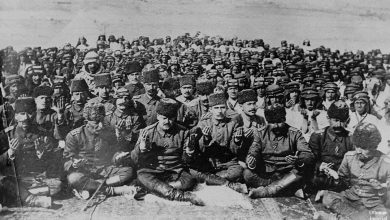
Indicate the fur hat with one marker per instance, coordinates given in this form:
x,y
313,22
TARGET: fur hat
x,y
366,136
167,107
25,104
151,76
43,90
79,85
94,112
217,99
103,79
170,83
247,95
339,110
186,80
275,113
204,87
132,67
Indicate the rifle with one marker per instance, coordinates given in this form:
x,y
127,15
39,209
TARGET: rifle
x,y
5,125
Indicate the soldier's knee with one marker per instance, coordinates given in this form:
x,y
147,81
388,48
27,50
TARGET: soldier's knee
x,y
75,178
248,175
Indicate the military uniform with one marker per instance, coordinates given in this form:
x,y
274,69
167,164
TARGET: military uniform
x,y
148,107
98,151
270,152
221,149
255,123
163,169
135,89
46,121
360,197
132,124
108,106
185,101
74,115
328,147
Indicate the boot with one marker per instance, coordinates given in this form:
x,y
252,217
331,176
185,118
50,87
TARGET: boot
x,y
275,187
194,199
39,201
120,190
238,187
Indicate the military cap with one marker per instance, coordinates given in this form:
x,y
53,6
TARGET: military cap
x,y
366,136
117,77
330,86
247,95
293,86
339,110
232,83
43,90
167,107
103,79
187,80
109,58
204,87
259,83
25,104
79,85
309,93
91,57
217,99
121,92
13,79
282,81
308,79
274,90
151,76
351,88
269,80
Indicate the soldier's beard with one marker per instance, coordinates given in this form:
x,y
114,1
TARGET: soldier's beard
x,y
338,130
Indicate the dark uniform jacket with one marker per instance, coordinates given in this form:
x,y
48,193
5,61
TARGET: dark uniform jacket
x,y
98,150
329,147
270,150
167,150
147,107
135,89
46,121
74,116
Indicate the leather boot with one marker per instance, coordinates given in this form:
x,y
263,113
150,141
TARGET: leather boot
x,y
168,192
120,190
275,187
38,201
238,187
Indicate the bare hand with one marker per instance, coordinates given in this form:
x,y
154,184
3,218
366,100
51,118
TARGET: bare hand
x,y
143,145
78,163
13,147
251,162
119,127
206,131
121,155
315,113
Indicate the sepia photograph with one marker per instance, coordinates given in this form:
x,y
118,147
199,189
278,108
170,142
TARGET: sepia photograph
x,y
194,109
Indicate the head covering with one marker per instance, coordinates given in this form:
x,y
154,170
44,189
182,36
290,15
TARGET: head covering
x,y
25,104
339,110
330,86
204,87
122,92
361,95
170,84
247,95
43,90
132,67
232,83
274,90
13,79
151,76
366,136
91,57
351,88
186,80
167,107
79,85
217,99
103,79
95,112
275,113
309,93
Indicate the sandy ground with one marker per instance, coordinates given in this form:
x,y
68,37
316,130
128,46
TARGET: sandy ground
x,y
354,24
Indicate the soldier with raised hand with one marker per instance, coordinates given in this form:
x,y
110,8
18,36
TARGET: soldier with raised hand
x,y
103,88
187,84
32,151
365,174
92,153
162,153
74,111
219,141
279,157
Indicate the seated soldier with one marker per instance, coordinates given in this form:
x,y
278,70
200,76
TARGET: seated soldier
x,y
279,157
90,151
330,144
365,174
161,154
36,161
